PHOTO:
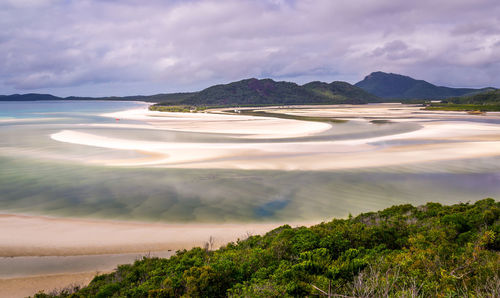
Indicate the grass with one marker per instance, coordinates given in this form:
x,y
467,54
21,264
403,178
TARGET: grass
x,y
464,107
176,109
287,116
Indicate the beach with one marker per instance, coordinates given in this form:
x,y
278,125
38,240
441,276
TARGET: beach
x,y
427,141
171,152
46,253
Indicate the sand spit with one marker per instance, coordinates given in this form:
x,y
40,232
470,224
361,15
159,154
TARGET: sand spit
x,y
28,286
247,126
437,139
22,235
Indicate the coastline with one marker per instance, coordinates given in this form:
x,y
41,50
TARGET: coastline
x,y
30,235
29,242
432,141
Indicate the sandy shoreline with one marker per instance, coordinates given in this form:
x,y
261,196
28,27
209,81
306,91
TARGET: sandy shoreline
x,y
27,286
249,126
434,141
24,235
437,138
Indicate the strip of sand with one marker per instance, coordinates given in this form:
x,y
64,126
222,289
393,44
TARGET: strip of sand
x,y
435,141
23,235
41,245
28,286
249,126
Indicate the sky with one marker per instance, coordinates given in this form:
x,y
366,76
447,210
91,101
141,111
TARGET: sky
x,y
131,47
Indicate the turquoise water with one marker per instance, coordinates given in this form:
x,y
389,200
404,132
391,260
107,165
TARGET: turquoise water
x,y
61,108
41,176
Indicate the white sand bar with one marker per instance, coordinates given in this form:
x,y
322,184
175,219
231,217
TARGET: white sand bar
x,y
24,235
438,137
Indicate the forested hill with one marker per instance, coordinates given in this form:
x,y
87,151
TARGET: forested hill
x,y
28,97
489,97
168,97
403,251
245,92
269,92
376,87
478,103
395,86
341,92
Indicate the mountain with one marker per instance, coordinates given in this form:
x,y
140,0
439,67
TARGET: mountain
x,y
245,92
488,97
28,97
341,92
169,97
390,85
478,103
268,92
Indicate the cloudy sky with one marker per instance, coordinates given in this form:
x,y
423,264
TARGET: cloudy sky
x,y
127,47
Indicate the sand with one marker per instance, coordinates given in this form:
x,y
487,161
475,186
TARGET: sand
x,y
28,286
25,235
30,235
434,141
248,126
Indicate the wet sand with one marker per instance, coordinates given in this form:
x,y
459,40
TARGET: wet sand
x,y
28,286
438,137
23,235
29,243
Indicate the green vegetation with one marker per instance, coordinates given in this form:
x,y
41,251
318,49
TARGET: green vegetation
x,y
464,107
482,102
266,92
249,92
376,87
170,98
176,109
341,92
254,92
288,116
431,250
394,86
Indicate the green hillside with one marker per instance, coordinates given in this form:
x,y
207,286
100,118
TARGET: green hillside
x,y
167,97
251,92
482,102
403,251
395,86
341,92
28,97
489,97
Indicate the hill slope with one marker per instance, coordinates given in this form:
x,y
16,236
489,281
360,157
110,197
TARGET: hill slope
x,y
170,97
341,92
28,97
488,97
269,92
478,103
246,92
402,251
389,85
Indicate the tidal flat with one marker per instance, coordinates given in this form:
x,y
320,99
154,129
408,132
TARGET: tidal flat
x,y
89,178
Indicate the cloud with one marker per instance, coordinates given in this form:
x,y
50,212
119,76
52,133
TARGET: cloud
x,y
178,45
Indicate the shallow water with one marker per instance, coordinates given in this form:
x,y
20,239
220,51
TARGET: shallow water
x,y
41,176
32,266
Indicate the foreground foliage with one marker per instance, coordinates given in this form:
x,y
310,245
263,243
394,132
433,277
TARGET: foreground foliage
x,y
431,250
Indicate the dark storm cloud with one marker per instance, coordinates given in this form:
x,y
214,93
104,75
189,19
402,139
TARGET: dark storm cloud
x,y
59,45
